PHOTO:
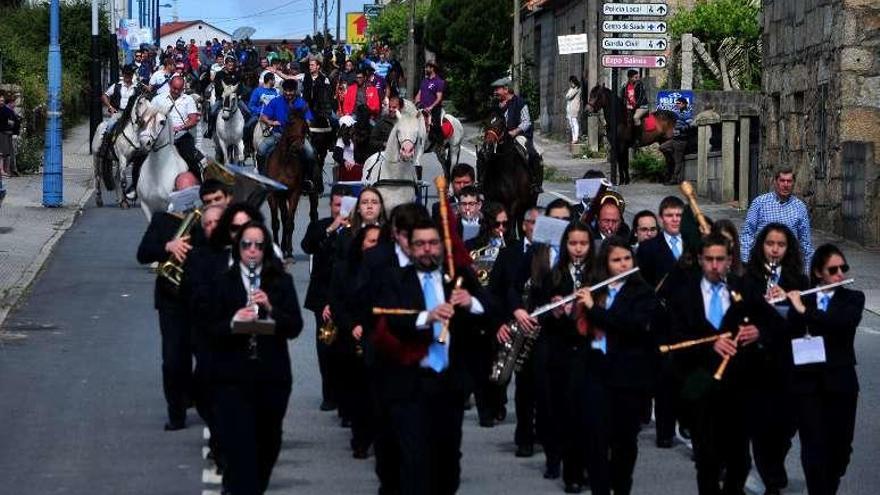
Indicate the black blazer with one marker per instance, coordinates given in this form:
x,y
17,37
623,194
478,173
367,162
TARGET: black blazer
x,y
630,345
348,289
203,265
318,243
655,259
229,360
162,228
837,326
508,277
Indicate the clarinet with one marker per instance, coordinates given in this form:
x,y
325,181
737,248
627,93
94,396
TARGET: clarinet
x,y
254,282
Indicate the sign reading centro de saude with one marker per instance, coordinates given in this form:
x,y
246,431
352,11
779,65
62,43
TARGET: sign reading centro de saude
x,y
650,27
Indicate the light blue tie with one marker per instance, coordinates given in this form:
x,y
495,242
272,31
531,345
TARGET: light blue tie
x,y
436,359
822,302
716,311
612,293
676,251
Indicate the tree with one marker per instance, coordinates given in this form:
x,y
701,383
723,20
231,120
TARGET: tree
x,y
472,43
392,25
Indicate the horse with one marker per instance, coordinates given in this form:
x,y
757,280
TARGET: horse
x,y
503,172
111,161
656,127
284,165
163,163
323,138
393,171
448,151
229,129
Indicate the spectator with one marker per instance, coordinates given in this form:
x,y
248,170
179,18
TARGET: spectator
x,y
573,107
9,124
673,149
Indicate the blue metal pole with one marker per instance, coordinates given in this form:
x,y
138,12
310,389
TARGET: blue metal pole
x,y
52,161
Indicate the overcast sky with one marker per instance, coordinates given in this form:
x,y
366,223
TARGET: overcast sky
x,y
271,18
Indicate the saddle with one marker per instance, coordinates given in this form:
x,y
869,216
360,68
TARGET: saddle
x,y
649,123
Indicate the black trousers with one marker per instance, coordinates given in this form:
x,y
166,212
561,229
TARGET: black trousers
x,y
356,400
826,422
186,146
427,430
666,399
487,395
385,444
567,374
543,415
249,418
774,427
328,364
177,361
624,414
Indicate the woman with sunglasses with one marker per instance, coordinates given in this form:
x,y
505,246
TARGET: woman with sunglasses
x,y
826,391
775,267
251,374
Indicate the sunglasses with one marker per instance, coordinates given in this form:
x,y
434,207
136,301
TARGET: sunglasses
x,y
832,270
250,244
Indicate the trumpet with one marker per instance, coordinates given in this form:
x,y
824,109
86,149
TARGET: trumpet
x,y
327,332
172,270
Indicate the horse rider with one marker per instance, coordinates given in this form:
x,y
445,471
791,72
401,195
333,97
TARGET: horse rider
x,y
275,115
159,81
183,115
318,93
515,111
229,76
634,95
260,97
115,99
361,93
382,130
429,99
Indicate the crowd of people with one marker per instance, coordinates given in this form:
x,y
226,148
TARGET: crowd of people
x,y
407,331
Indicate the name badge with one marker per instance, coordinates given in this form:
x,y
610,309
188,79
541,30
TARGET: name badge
x,y
808,350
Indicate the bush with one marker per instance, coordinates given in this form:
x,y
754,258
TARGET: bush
x,y
392,25
29,154
649,166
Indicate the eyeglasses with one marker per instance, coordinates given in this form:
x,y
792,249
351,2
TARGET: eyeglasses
x,y
421,244
245,244
832,270
647,229
469,204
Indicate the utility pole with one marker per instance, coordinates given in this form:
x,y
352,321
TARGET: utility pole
x,y
411,70
95,77
314,17
52,178
592,69
326,14
338,17
517,46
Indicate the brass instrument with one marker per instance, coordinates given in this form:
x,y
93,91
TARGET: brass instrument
x,y
327,332
219,171
484,258
691,343
172,270
604,195
688,190
513,353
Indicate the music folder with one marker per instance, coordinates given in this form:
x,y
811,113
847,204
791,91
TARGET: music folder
x,y
255,327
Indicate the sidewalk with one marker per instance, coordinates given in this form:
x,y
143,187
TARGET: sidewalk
x,y
28,231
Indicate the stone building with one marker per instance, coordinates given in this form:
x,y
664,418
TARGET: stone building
x,y
822,84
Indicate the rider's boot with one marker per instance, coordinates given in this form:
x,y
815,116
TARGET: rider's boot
x,y
536,171
131,191
209,129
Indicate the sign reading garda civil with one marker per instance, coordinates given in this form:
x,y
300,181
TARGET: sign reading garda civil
x,y
355,28
650,62
650,9
572,43
635,44
650,27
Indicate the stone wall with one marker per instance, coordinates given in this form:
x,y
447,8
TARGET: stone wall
x,y
822,82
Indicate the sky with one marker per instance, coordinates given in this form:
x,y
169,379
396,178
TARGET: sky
x,y
271,18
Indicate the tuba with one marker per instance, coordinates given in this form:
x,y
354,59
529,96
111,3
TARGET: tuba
x,y
172,270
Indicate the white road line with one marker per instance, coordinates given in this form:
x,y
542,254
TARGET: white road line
x,y
206,433
210,492
210,477
205,451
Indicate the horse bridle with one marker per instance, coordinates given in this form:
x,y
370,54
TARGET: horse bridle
x,y
230,109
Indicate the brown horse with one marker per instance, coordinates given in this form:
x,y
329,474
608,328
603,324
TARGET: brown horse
x,y
662,123
285,166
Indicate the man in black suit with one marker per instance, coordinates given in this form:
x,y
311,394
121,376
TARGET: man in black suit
x,y
426,397
709,304
319,242
159,245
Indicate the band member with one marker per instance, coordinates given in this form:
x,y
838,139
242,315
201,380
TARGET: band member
x,y
706,305
826,393
159,245
462,176
644,228
609,222
470,212
426,397
564,348
775,267
251,373
369,210
728,229
319,241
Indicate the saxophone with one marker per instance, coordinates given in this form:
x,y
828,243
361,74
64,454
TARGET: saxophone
x,y
172,270
327,332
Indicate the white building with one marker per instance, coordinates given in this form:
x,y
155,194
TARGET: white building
x,y
198,30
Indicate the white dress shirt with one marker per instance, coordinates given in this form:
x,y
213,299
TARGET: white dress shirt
x,y
437,279
402,258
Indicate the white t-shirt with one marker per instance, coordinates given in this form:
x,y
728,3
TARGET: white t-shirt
x,y
125,93
177,110
160,77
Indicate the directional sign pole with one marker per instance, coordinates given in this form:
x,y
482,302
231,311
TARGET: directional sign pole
x,y
612,124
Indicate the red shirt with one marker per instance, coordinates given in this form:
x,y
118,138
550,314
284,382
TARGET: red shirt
x,y
372,100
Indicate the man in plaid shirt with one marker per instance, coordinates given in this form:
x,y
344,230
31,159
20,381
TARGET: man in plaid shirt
x,y
778,206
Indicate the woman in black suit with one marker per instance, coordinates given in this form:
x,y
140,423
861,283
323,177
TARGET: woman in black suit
x,y
616,322
251,374
565,349
826,392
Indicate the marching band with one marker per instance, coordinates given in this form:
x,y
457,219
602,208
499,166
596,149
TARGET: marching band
x,y
599,327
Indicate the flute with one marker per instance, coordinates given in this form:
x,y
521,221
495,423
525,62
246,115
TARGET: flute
x,y
571,297
691,343
395,311
814,290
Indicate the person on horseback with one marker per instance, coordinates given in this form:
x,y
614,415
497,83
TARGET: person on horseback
x,y
275,115
318,93
382,130
515,111
115,99
429,99
634,95
229,76
260,97
160,79
183,116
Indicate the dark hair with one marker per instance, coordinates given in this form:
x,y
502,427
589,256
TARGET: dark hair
x,y
820,259
469,191
462,169
490,210
422,224
356,253
128,70
288,85
558,203
575,81
210,186
340,190
356,219
405,216
631,72
222,236
716,239
783,169
273,269
670,202
682,99
268,77
600,269
792,263
560,271
635,224
725,225
593,174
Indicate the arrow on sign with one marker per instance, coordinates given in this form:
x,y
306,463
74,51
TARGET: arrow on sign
x,y
661,10
361,25
661,27
661,44
661,61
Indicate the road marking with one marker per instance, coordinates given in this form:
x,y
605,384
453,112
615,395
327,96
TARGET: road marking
x,y
210,477
206,433
210,492
205,451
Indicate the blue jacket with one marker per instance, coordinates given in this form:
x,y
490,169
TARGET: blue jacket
x,y
278,109
260,97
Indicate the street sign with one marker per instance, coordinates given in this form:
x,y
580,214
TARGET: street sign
x,y
372,10
634,44
649,61
355,28
652,9
651,27
573,43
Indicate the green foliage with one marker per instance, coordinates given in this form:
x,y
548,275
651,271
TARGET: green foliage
x,y
392,25
552,174
29,155
472,42
648,166
529,88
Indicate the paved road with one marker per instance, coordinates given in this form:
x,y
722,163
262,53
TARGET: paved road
x,y
81,408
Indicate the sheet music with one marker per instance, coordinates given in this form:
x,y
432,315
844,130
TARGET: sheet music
x,y
348,204
587,188
808,350
549,230
184,200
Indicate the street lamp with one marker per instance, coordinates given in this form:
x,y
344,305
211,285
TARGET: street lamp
x,y
159,21
52,180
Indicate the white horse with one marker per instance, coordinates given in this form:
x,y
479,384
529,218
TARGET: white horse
x,y
448,151
162,165
393,171
229,128
110,167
